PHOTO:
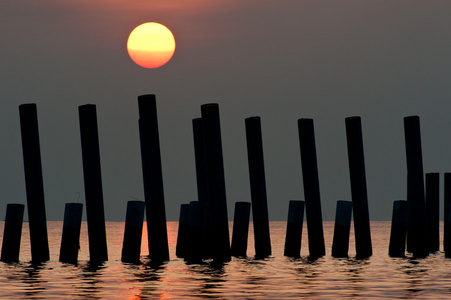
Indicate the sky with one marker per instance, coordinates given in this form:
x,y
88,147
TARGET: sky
x,y
280,60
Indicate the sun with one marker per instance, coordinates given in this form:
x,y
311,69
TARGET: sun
x,y
151,45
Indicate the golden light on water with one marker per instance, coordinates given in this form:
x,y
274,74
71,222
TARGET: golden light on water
x,y
151,45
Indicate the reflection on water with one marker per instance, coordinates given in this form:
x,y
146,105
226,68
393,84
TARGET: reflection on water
x,y
274,277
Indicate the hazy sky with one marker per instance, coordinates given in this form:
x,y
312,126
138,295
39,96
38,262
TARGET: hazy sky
x,y
280,60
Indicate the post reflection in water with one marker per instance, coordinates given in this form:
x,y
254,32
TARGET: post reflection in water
x,y
415,272
31,277
91,279
275,277
209,279
145,280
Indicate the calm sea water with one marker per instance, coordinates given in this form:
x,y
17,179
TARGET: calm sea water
x,y
276,277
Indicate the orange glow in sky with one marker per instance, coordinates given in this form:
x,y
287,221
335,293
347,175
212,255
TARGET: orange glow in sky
x,y
151,45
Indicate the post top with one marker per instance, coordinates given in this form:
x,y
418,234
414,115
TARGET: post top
x,y
353,118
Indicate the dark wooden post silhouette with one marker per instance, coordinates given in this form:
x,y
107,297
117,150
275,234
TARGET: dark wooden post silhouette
x,y
70,240
447,216
293,238
433,211
93,183
219,236
12,233
202,184
153,178
194,244
240,229
343,216
398,234
182,234
262,239
134,219
311,188
416,232
200,159
34,183
358,187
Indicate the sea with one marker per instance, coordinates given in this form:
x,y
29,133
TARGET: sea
x,y
275,277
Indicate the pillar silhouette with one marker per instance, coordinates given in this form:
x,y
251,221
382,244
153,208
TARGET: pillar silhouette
x,y
12,233
70,240
219,235
293,238
447,216
398,234
202,185
358,188
153,178
416,232
194,245
262,239
343,215
311,188
240,229
33,182
200,159
93,183
182,234
433,211
134,219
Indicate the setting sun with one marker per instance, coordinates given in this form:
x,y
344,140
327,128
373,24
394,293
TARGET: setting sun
x,y
151,45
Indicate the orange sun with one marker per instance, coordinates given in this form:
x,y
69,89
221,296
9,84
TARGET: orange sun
x,y
151,45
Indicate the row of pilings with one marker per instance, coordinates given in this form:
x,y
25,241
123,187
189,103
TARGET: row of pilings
x,y
203,224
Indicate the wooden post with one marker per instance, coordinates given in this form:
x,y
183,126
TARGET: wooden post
x,y
311,188
34,183
70,240
447,216
293,236
200,159
433,211
93,183
343,215
240,229
182,234
12,233
258,187
194,247
131,248
416,239
153,179
219,235
358,187
202,185
398,234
